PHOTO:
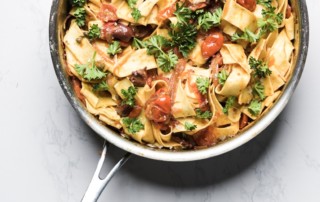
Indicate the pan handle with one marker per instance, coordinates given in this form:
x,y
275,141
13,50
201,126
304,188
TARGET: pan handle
x,y
97,184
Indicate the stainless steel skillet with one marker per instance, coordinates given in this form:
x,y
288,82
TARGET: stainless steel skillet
x,y
59,11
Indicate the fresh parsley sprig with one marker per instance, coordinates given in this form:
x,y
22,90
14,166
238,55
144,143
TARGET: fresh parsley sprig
x,y
202,85
166,61
208,20
184,37
136,14
229,103
94,32
203,114
189,126
255,107
258,89
102,86
260,68
222,77
138,44
80,15
90,71
133,125
114,48
78,3
247,35
265,3
183,14
129,96
270,20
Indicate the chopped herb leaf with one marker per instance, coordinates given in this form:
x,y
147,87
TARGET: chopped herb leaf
x,y
258,89
265,3
222,76
168,61
78,3
90,71
261,69
183,14
270,21
184,37
102,86
208,20
136,14
247,35
132,3
255,107
154,45
189,126
203,115
229,103
114,48
138,44
94,32
129,96
80,15
202,84
133,125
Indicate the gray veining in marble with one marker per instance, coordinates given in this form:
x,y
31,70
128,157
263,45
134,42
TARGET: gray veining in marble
x,y
48,154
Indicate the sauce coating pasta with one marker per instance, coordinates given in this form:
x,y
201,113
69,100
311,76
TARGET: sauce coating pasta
x,y
179,74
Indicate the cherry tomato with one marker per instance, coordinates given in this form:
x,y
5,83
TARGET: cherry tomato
x,y
158,107
166,13
108,13
248,4
212,44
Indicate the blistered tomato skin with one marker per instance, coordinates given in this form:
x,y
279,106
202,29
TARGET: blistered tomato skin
x,y
158,107
212,44
248,4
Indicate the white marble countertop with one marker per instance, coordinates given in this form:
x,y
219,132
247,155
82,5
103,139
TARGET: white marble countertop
x,y
48,154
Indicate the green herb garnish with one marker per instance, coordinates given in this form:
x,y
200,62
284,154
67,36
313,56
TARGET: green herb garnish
x,y
184,37
261,69
203,115
94,32
78,3
129,96
166,61
247,35
90,71
229,103
114,48
255,107
80,15
222,76
258,89
183,14
133,125
208,20
102,86
138,44
202,84
189,126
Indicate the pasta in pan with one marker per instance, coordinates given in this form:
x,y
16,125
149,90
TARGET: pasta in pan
x,y
179,74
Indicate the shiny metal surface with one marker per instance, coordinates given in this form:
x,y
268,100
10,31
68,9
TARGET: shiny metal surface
x,y
97,184
58,13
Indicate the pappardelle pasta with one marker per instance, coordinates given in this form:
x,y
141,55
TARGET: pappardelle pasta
x,y
179,74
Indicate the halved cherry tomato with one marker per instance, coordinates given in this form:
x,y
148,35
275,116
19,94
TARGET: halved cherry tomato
x,y
248,4
166,13
108,13
158,107
212,44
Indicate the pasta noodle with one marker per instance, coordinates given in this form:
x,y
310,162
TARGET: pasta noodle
x,y
179,74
